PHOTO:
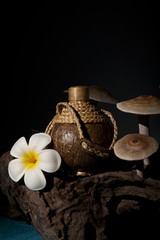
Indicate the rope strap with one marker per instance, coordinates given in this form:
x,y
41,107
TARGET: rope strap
x,y
107,113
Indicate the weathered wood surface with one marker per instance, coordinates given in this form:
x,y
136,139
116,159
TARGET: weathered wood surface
x,y
109,205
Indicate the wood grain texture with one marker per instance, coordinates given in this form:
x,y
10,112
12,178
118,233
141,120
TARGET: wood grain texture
x,y
108,205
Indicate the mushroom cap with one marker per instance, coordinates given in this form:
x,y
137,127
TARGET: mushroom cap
x,y
143,105
135,147
100,94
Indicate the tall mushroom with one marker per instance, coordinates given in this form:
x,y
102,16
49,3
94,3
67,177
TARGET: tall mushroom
x,y
144,106
134,147
100,94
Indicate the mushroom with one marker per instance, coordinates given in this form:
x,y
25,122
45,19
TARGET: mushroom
x,y
143,106
134,147
100,94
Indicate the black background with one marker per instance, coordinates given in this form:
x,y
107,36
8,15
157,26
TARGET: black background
x,y
48,47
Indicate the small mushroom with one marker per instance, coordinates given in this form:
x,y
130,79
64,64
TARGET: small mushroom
x,y
143,106
134,147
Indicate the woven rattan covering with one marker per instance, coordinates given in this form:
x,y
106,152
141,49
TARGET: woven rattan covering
x,y
86,111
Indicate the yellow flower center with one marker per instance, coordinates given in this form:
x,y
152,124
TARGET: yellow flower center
x,y
30,159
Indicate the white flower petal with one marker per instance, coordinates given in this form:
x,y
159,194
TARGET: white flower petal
x,y
39,141
34,179
49,160
19,148
16,169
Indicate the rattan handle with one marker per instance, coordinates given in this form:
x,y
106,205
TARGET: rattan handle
x,y
107,113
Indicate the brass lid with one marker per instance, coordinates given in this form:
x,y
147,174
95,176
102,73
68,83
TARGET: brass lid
x,y
78,93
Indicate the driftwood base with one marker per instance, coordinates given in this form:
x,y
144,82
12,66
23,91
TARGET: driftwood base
x,y
110,205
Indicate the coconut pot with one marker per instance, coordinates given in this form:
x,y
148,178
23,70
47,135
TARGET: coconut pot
x,y
83,135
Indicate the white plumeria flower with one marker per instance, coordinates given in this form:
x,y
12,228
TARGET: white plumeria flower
x,y
31,159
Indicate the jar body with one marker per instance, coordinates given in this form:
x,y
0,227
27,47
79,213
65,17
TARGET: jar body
x,y
66,141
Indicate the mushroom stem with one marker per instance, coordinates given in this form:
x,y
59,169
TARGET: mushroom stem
x,y
139,173
144,129
144,124
139,169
